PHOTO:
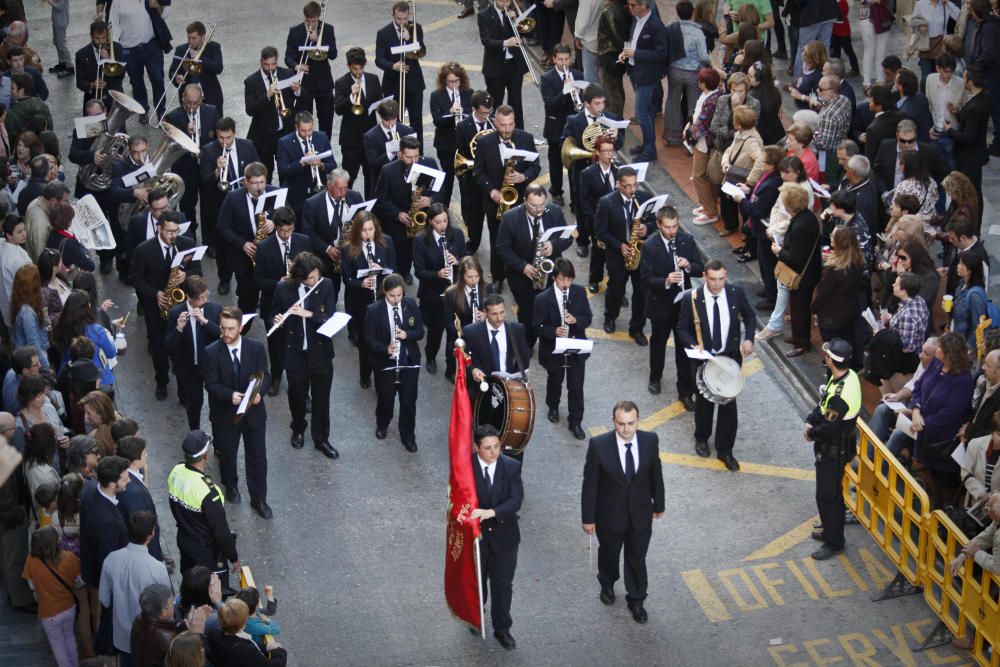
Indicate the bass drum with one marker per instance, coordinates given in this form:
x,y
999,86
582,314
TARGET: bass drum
x,y
508,406
720,380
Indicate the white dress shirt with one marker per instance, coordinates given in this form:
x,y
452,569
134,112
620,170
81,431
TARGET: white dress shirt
x,y
150,226
723,315
621,450
501,343
487,469
636,31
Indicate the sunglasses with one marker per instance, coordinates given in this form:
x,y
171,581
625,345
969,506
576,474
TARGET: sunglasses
x,y
908,141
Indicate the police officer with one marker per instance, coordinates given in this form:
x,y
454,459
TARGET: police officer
x,y
203,535
830,427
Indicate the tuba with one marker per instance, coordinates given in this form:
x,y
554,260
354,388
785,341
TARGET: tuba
x,y
508,193
419,217
635,246
173,147
113,142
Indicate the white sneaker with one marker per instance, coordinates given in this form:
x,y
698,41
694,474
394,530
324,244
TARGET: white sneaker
x,y
767,333
702,219
697,210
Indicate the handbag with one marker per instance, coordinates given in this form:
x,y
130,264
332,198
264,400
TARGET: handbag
x,y
713,170
941,449
734,174
936,46
788,276
881,18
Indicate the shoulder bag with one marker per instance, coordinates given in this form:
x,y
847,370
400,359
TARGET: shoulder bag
x,y
787,276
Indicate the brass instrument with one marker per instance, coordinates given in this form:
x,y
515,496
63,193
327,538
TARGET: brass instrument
x,y
542,264
635,243
279,97
319,54
317,181
260,236
356,107
224,185
113,68
574,93
463,165
508,193
193,64
174,293
113,143
571,152
174,145
524,26
342,242
418,217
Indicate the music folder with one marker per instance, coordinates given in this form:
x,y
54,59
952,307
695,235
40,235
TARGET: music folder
x,y
573,346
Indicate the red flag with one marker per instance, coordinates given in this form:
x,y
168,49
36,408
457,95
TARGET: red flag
x,y
461,579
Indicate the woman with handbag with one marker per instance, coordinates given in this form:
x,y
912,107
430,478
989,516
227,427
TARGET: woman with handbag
x,y
799,265
937,13
970,300
723,132
742,163
54,575
705,160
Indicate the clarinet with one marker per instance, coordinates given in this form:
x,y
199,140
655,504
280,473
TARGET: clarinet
x,y
371,265
565,305
447,264
395,354
475,301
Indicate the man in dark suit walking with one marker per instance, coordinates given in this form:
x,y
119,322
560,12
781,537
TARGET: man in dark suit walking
x,y
500,493
317,85
668,262
363,88
558,106
715,328
563,311
191,327
303,179
266,123
381,143
622,494
86,60
197,120
645,55
136,496
324,221
210,64
504,66
142,226
229,364
397,33
472,199
102,526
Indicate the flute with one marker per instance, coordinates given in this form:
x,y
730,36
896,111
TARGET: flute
x,y
302,300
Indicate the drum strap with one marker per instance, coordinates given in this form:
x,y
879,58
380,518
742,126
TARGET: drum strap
x,y
517,351
697,319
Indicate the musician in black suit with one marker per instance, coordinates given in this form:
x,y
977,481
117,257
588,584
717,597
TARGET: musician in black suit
x,y
210,61
86,66
613,223
596,181
499,494
197,120
472,199
399,32
463,300
436,253
303,180
149,273
259,91
308,353
668,261
274,255
119,193
239,229
450,104
518,247
142,227
563,311
229,364
381,143
191,327
324,216
393,329
646,63
368,249
716,328
222,164
622,494
504,66
364,88
317,85
558,107
491,177
395,199
970,149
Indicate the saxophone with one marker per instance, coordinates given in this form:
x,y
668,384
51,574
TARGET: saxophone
x,y
419,217
508,194
342,243
542,264
173,291
259,237
635,246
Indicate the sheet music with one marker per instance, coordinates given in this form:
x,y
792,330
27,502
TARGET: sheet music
x,y
319,156
245,403
695,353
336,322
287,83
580,346
563,231
374,105
409,47
191,255
88,127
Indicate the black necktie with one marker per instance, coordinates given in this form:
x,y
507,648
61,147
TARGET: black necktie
x,y
716,326
284,252
338,211
629,463
489,482
607,181
495,349
253,203
236,364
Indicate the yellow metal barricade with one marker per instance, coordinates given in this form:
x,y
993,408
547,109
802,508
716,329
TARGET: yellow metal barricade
x,y
944,593
889,503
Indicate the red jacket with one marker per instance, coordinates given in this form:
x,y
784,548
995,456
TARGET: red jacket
x,y
842,27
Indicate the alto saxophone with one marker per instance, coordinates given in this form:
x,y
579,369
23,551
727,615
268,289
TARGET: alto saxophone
x,y
418,217
173,291
508,194
342,242
542,264
634,245
259,237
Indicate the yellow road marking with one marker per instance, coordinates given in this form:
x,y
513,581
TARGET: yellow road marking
x,y
706,596
782,544
603,335
692,461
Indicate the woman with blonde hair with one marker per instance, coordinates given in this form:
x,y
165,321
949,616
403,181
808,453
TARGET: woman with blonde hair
x,y
800,253
742,162
100,415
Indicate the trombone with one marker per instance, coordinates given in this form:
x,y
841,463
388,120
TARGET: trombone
x,y
315,53
111,68
189,64
193,64
411,28
524,26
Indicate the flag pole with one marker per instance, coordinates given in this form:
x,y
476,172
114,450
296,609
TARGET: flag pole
x,y
479,587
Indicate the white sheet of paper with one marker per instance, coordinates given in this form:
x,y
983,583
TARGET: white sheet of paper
x,y
563,232
363,206
515,153
194,253
573,345
245,403
319,156
21,184
523,15
374,105
819,190
895,406
904,424
323,48
143,173
959,454
391,148
183,227
733,190
652,205
176,57
640,170
694,353
336,322
364,273
90,126
279,196
873,322
612,124
409,47
247,318
567,86
287,83
418,169
994,230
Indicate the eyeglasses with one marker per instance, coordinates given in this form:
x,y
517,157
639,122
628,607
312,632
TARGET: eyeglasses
x,y
908,141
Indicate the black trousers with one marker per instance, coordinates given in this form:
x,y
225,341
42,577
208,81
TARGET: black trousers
x,y
498,270
597,258
472,212
448,167
227,442
725,424
156,331
353,161
837,43
730,213
555,168
356,307
767,261
315,385
189,205
573,369
404,248
247,294
211,201
498,569
324,110
525,299
574,191
509,83
191,386
616,294
414,113
830,498
610,545
267,151
433,314
386,390
658,352
276,351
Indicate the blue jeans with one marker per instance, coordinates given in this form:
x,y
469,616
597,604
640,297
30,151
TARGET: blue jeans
x,y
148,57
777,320
644,114
818,32
883,421
946,147
926,69
590,72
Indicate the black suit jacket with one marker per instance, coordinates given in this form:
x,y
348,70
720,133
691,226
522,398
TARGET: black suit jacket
x,y
515,244
611,226
883,127
428,260
492,32
32,190
374,142
352,127
102,530
971,152
489,169
187,165
558,106
235,223
119,192
138,231
221,382
655,263
548,318
137,498
298,177
385,39
578,122
444,123
263,114
887,157
608,499
593,187
246,153
211,68
393,194
739,308
477,344
319,80
317,224
318,358
651,53
504,497
757,207
378,333
233,651
85,64
919,109
150,270
270,268
180,345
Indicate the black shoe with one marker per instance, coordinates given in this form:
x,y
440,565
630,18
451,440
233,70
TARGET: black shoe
x,y
408,279
410,444
328,450
465,13
638,612
701,448
554,415
380,433
161,392
210,252
106,266
592,288
505,640
432,366
635,150
496,287
582,250
262,508
449,376
818,534
366,383
687,402
625,302
731,463
646,157
275,387
182,400
578,432
557,198
780,54
609,326
764,305
223,288
826,552
654,388
744,258
608,594
640,338
762,293
233,495
69,71
144,119
57,68
298,440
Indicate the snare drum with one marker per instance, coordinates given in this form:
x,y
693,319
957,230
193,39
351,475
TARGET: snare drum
x,y
720,380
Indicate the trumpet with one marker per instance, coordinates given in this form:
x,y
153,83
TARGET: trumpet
x,y
223,184
574,92
635,243
173,291
279,97
317,181
418,217
508,194
356,107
